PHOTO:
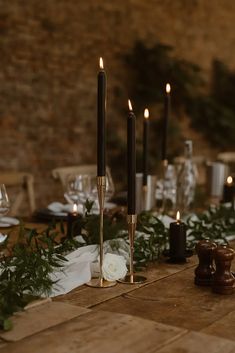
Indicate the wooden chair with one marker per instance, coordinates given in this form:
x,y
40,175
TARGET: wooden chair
x,y
23,183
62,173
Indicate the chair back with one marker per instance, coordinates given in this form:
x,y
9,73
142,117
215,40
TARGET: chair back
x,y
62,172
24,183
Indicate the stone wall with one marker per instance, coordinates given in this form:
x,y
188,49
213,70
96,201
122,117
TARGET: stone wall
x,y
49,53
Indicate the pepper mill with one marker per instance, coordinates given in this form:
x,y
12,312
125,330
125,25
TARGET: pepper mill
x,y
205,269
223,280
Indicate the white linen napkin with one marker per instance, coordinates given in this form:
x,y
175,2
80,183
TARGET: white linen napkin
x,y
76,271
58,207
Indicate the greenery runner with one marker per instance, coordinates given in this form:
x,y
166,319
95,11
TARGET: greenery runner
x,y
26,267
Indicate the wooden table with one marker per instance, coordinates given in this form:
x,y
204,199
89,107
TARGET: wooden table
x,y
167,314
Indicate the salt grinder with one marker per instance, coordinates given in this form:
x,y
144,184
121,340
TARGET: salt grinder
x,y
223,280
205,269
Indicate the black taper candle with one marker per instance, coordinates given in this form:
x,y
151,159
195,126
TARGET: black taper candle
x,y
131,162
101,132
167,112
73,226
229,190
145,146
177,240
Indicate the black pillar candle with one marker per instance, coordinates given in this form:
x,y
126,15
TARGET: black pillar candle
x,y
73,228
145,146
131,162
101,133
229,190
177,240
167,111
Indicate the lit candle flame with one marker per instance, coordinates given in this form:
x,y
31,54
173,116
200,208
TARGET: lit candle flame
x,y
178,216
146,113
129,104
101,63
75,208
229,180
168,88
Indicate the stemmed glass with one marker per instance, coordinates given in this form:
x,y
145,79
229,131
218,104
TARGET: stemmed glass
x,y
4,201
109,192
78,188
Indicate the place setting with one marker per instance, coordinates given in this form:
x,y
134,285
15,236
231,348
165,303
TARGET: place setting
x,y
5,222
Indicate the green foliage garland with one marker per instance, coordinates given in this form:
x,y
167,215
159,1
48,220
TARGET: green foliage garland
x,y
26,267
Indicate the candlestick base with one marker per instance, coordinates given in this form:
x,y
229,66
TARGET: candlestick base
x,y
133,279
100,283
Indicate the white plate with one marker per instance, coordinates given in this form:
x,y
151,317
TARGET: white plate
x,y
6,222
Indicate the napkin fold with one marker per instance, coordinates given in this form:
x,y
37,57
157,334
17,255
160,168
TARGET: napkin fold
x,y
58,207
76,271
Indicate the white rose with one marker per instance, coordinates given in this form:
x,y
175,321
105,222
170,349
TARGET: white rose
x,y
114,267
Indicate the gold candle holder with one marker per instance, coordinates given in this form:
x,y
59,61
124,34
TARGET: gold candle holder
x,y
164,170
131,278
144,197
101,282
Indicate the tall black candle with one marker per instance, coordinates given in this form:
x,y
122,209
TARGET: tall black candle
x,y
167,111
145,146
177,240
101,133
229,190
131,162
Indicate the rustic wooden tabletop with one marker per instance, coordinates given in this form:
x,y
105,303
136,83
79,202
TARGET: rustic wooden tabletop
x,y
167,314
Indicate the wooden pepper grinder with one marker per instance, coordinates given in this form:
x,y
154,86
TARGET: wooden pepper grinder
x,y
223,280
205,269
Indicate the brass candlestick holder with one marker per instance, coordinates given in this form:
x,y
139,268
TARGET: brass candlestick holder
x,y
164,170
131,278
101,282
144,197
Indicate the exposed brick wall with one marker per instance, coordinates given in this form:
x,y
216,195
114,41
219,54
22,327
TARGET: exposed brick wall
x,y
49,53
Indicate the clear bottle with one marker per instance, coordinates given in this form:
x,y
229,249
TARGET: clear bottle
x,y
186,181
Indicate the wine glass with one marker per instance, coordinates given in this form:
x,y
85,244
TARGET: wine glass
x,y
78,188
109,191
4,201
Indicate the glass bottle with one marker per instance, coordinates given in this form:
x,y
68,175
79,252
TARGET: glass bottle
x,y
186,181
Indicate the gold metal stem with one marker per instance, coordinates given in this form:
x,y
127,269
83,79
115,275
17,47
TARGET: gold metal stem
x,y
101,283
131,223
165,164
101,188
131,278
144,198
164,170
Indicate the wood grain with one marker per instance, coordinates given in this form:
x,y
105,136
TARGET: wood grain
x,y
194,342
224,327
89,297
174,300
27,323
99,332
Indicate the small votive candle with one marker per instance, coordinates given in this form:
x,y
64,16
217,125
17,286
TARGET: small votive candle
x,y
72,227
229,190
177,240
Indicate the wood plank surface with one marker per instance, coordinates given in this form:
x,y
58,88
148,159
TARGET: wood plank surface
x,y
174,300
34,320
88,297
224,327
195,342
99,332
2,343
